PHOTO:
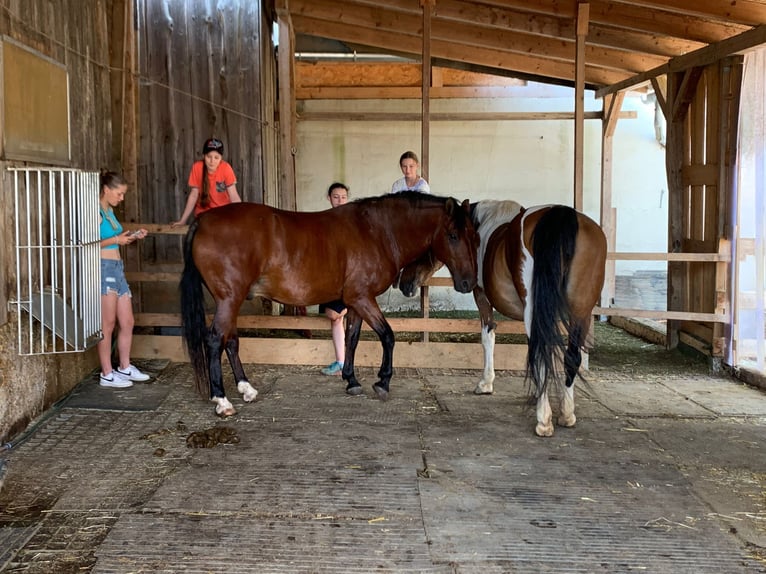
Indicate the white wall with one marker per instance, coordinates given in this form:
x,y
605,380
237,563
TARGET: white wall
x,y
530,161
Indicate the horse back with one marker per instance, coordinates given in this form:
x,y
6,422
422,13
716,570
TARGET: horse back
x,y
283,255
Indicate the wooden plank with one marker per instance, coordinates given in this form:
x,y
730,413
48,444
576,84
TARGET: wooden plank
x,y
452,116
289,322
669,315
368,353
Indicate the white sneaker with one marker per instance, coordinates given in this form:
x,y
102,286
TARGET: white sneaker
x,y
114,379
132,374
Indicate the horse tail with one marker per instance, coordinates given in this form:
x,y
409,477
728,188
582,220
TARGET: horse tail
x,y
553,247
193,325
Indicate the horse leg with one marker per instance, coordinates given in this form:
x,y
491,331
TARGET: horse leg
x,y
214,343
222,331
544,416
386,336
243,385
353,330
368,310
572,362
485,385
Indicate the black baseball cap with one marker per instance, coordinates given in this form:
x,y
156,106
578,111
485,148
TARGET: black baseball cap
x,y
213,144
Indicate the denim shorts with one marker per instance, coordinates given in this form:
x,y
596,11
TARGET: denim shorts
x,y
113,278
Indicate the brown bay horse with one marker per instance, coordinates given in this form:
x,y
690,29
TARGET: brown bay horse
x,y
544,265
352,252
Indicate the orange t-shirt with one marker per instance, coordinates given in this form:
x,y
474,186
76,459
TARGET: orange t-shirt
x,y
218,184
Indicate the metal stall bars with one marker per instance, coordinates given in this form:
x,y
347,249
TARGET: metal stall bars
x,y
58,272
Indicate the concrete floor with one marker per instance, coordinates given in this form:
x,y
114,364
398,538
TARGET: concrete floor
x,y
665,472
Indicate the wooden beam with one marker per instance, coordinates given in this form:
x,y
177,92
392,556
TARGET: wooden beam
x,y
660,86
287,123
425,100
699,58
612,106
579,123
368,353
490,56
452,116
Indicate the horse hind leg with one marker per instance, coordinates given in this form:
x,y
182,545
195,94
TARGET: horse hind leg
x,y
223,407
572,362
244,387
544,425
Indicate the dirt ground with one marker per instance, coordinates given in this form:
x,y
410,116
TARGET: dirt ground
x,y
664,472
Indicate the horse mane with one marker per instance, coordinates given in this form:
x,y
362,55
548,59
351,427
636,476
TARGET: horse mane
x,y
418,199
490,213
414,197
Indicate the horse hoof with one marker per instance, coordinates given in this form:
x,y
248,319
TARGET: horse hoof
x,y
247,391
484,389
567,421
380,392
223,408
544,430
225,413
354,391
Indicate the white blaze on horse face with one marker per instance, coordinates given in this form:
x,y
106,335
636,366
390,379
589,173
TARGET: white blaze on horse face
x,y
247,391
486,386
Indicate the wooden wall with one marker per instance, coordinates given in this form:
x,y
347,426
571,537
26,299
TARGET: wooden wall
x,y
200,69
73,34
703,105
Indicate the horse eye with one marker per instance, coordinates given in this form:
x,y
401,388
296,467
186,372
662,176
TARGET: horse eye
x,y
453,236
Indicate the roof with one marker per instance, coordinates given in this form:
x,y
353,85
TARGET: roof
x,y
625,42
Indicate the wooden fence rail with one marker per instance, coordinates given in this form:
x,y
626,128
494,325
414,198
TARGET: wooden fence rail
x,y
421,353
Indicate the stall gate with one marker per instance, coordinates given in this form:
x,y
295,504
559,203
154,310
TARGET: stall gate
x,y
57,269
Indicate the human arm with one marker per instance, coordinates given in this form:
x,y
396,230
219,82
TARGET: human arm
x,y
233,193
191,202
124,238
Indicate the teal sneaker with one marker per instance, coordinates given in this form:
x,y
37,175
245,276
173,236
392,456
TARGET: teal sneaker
x,y
334,368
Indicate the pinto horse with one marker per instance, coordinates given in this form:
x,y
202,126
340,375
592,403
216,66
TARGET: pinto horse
x,y
352,252
544,265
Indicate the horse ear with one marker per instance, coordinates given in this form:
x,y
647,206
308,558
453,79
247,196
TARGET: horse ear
x,y
450,206
467,205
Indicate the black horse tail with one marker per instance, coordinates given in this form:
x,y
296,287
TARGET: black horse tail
x,y
553,247
193,325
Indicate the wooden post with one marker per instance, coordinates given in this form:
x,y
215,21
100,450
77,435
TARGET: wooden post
x,y
124,98
681,87
287,139
425,133
612,105
583,13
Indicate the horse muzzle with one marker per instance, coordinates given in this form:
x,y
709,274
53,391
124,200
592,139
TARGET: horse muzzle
x,y
465,285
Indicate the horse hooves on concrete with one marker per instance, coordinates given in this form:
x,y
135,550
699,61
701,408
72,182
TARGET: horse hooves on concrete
x,y
354,391
381,393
